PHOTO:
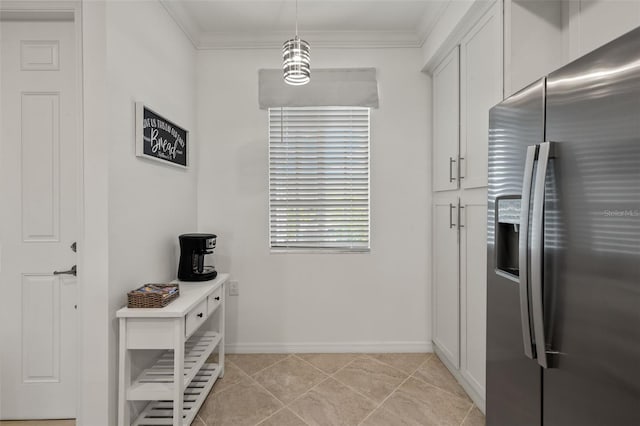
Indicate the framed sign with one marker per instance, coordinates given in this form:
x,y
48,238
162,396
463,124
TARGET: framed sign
x,y
160,139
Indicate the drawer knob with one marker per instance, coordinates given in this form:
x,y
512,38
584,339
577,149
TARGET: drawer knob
x,y
199,315
217,298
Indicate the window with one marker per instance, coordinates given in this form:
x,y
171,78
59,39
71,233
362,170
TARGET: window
x,y
319,178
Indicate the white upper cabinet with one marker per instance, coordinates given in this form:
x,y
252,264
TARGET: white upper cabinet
x,y
446,119
527,58
480,89
592,23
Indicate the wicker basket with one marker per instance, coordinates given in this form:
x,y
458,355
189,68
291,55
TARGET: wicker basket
x,y
139,299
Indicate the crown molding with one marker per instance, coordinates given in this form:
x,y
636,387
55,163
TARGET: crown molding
x,y
204,40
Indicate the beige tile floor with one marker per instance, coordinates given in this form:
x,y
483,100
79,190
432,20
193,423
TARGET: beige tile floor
x,y
331,390
337,390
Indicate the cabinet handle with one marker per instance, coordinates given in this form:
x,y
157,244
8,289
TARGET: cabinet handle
x,y
451,161
460,225
451,224
217,297
460,167
199,315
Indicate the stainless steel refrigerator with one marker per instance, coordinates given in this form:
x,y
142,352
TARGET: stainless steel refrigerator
x,y
563,315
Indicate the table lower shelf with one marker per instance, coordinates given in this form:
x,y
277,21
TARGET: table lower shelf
x,y
161,412
157,382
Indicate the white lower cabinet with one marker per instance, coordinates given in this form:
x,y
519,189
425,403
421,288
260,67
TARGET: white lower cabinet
x,y
473,291
446,290
459,287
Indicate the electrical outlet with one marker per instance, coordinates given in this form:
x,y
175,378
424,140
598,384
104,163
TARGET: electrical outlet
x,y
233,288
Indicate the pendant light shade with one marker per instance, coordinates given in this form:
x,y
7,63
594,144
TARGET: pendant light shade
x,y
296,59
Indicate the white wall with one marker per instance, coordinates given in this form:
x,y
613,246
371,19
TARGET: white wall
x,y
93,247
318,302
150,60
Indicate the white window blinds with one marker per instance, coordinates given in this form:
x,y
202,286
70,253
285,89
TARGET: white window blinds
x,y
319,178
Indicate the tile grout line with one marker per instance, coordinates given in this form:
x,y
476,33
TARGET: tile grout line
x,y
468,400
368,398
394,391
306,392
255,382
213,395
231,385
283,408
438,387
268,366
272,395
396,368
385,400
284,405
317,368
329,376
468,413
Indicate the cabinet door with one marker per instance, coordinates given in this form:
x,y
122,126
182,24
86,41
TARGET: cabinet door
x,y
473,288
481,77
592,23
446,291
446,119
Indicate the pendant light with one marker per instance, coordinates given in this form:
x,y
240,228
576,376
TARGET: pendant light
x,y
296,59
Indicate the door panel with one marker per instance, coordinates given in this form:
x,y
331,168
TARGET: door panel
x,y
446,291
592,247
40,165
40,328
39,182
593,23
473,283
480,89
446,119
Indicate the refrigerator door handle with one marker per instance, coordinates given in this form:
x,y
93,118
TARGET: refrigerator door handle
x,y
523,255
537,253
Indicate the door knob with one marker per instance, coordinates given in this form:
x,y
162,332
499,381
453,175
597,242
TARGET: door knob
x,y
73,271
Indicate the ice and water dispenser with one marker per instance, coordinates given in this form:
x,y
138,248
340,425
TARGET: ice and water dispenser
x,y
507,234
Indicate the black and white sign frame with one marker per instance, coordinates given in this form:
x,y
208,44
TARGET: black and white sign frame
x,y
159,139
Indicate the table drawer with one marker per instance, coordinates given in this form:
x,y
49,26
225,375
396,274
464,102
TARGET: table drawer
x,y
196,317
214,300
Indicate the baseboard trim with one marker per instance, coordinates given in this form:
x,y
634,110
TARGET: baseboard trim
x,y
349,347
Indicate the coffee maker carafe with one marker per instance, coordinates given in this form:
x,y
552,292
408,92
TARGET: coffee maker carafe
x,y
196,257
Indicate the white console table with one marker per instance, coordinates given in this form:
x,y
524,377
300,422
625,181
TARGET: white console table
x,y
182,369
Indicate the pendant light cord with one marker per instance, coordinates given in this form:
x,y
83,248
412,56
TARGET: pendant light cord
x,y
296,18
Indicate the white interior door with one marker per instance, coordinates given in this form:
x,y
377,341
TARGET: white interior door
x,y
39,182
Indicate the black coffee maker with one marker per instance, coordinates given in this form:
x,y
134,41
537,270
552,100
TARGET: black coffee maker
x,y
196,257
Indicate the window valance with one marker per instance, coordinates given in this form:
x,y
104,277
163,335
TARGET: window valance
x,y
328,87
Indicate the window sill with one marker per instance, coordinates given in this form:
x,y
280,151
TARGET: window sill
x,y
318,251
